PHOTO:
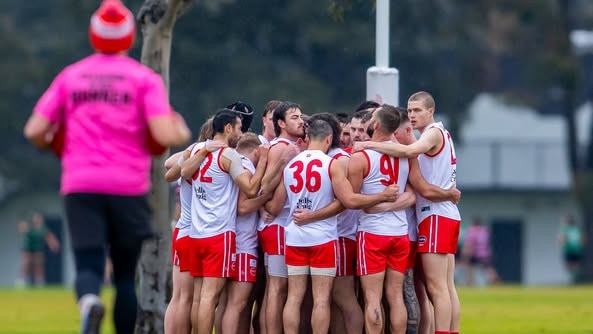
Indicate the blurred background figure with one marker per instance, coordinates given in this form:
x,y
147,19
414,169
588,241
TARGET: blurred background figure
x,y
572,242
35,237
477,255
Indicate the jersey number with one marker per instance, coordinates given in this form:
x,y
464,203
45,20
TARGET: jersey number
x,y
312,180
201,172
389,166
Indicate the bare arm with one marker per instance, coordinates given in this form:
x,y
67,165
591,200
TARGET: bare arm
x,y
428,141
304,216
247,205
430,191
278,157
38,131
404,200
191,165
169,130
173,167
344,190
52,242
275,205
249,184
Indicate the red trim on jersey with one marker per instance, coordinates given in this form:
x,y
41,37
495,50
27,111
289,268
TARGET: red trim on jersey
x,y
338,156
218,160
348,150
368,164
329,169
442,146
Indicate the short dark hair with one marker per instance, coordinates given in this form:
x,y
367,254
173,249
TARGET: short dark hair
x,y
388,118
332,120
222,118
424,97
360,114
270,107
343,117
366,105
280,114
319,129
403,115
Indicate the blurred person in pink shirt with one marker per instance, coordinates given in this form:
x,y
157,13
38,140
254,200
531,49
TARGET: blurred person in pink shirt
x,y
477,252
104,115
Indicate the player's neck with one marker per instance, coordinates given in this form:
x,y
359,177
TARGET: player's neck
x,y
268,136
221,137
380,137
313,145
285,135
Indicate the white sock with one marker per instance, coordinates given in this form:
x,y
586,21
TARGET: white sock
x,y
86,301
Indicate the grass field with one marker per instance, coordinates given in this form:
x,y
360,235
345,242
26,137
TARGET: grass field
x,y
497,310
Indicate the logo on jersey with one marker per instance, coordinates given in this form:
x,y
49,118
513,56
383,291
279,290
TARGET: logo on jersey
x,y
425,208
421,239
200,193
305,203
253,263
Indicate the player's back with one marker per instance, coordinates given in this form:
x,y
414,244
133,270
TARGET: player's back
x,y
347,219
214,198
308,186
383,171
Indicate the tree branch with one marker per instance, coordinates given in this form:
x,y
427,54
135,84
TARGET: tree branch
x,y
175,9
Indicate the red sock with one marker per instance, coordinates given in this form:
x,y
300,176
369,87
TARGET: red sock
x,y
454,332
442,332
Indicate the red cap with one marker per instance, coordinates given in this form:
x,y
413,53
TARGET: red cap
x,y
112,27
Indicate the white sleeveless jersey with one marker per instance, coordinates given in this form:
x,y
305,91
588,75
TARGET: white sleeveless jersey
x,y
440,170
308,186
347,219
214,199
184,222
383,171
263,140
246,229
282,218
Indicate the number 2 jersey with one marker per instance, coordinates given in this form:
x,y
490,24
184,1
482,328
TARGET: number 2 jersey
x,y
308,186
214,198
440,170
384,170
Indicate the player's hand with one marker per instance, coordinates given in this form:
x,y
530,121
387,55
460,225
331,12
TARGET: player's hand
x,y
390,193
266,216
290,152
302,217
455,195
215,145
301,145
359,146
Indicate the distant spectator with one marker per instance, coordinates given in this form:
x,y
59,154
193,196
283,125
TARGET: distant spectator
x,y
35,237
477,252
572,240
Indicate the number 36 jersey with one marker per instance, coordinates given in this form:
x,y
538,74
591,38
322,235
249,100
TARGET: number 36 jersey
x,y
308,186
384,170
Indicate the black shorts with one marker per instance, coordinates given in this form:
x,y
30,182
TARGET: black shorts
x,y
97,220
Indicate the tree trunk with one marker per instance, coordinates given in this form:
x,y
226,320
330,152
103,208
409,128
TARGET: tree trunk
x,y
157,19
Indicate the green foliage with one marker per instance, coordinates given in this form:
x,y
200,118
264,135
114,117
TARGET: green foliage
x,y
312,52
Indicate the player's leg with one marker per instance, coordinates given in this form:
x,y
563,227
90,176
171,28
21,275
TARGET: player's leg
x,y
258,295
186,287
455,305
410,298
323,271
220,309
26,268
277,286
174,302
297,286
39,268
397,263
343,295
209,297
426,324
239,292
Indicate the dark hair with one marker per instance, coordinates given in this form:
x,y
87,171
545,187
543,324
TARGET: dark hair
x,y
332,120
248,142
366,105
280,114
245,111
206,130
319,129
270,107
403,115
342,117
360,114
388,118
222,118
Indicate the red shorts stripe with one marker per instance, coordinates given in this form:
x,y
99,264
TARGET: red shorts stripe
x,y
174,257
318,256
438,234
272,240
345,257
377,252
244,268
211,257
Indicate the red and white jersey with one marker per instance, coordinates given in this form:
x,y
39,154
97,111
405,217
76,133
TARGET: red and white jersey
x,y
308,186
214,198
282,218
347,219
440,170
384,170
246,228
185,191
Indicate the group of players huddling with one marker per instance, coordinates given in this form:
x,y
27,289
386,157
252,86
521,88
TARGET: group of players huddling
x,y
343,209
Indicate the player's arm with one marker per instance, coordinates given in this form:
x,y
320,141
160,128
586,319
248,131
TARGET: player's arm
x,y
247,183
275,205
304,216
344,190
173,165
430,191
246,205
278,156
404,200
428,141
52,241
191,164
